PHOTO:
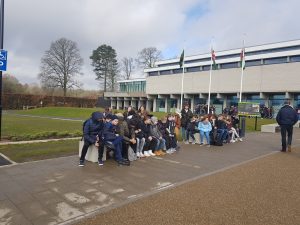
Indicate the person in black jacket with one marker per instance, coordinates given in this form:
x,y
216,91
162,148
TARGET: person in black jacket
x,y
91,129
186,115
286,118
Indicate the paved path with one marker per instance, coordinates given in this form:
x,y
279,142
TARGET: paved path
x,y
57,191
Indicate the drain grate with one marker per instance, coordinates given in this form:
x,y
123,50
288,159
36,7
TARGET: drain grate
x,y
4,161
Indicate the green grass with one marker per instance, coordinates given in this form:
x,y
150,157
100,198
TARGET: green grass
x,y
63,112
16,126
250,123
38,151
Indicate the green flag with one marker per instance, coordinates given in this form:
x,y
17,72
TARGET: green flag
x,y
181,59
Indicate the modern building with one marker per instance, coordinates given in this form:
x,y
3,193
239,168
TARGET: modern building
x,y
272,74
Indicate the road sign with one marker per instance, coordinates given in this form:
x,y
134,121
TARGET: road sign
x,y
3,60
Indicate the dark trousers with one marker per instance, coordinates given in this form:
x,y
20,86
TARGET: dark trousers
x,y
150,145
171,142
118,148
86,147
189,134
289,130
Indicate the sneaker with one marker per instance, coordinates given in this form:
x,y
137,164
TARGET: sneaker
x,y
142,155
201,144
81,163
208,146
289,148
162,152
138,155
169,151
123,163
186,142
232,141
151,153
193,142
100,163
146,154
240,139
157,153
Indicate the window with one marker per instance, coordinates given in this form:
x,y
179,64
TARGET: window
x,y
197,60
206,68
295,58
154,73
275,60
193,69
290,48
168,64
253,63
176,71
229,65
165,72
227,56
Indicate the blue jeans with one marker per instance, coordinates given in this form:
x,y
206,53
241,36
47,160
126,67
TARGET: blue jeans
x,y
118,148
206,134
140,142
222,134
161,144
183,133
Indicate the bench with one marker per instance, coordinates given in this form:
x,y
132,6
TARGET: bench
x,y
270,128
92,153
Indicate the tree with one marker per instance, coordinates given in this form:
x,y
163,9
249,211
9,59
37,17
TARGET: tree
x,y
148,56
60,64
11,85
127,67
105,63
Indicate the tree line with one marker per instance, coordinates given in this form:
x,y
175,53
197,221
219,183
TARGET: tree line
x,y
62,63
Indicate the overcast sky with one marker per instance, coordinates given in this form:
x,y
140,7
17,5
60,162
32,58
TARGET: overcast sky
x,y
130,25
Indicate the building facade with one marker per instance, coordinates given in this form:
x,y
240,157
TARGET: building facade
x,y
272,74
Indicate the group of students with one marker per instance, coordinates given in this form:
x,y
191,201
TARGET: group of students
x,y
147,136
140,131
216,130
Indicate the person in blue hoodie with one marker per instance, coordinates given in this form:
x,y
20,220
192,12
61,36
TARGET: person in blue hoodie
x,y
92,127
286,118
111,138
205,128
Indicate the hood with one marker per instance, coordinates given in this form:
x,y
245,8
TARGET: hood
x,y
96,116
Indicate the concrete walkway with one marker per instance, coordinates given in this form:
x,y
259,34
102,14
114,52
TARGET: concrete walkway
x,y
57,191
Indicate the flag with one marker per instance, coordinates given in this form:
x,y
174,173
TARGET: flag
x,y
242,60
213,58
181,59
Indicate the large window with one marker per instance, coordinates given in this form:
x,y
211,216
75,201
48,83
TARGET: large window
x,y
206,68
275,60
193,69
229,65
253,63
176,71
154,73
295,58
165,72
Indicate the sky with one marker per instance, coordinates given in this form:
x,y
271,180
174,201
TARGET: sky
x,y
131,25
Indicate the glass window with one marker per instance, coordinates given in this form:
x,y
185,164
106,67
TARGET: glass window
x,y
176,71
295,58
165,72
154,73
253,63
229,65
197,60
275,60
228,56
193,69
206,68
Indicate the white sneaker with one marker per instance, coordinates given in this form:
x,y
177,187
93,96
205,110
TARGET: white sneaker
x,y
138,155
169,151
151,153
240,139
232,141
193,142
173,150
146,154
186,142
142,155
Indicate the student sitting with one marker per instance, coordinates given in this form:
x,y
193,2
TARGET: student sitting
x,y
191,130
110,136
155,132
205,128
150,141
222,132
91,129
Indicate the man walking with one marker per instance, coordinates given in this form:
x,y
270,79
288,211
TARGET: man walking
x,y
286,118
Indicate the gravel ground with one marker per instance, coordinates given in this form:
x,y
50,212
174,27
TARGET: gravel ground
x,y
265,191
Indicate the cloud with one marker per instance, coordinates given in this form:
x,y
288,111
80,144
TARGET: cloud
x,y
128,26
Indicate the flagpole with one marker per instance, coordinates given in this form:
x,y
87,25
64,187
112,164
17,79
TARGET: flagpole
x,y
182,79
242,67
209,85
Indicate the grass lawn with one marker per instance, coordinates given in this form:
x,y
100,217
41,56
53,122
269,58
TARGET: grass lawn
x,y
63,112
250,123
38,151
16,126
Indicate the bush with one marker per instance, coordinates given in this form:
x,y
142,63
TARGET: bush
x,y
45,135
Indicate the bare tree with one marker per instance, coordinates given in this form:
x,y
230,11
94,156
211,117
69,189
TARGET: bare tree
x,y
60,64
148,56
127,66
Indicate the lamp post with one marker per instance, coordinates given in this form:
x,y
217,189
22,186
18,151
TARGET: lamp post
x,y
1,47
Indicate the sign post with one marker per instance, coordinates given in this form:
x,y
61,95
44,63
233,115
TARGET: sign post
x,y
4,56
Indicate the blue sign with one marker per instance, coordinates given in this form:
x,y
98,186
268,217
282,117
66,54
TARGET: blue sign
x,y
3,60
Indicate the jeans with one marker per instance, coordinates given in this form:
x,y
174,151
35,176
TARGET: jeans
x,y
289,130
222,134
161,144
206,134
118,148
86,147
140,142
183,133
